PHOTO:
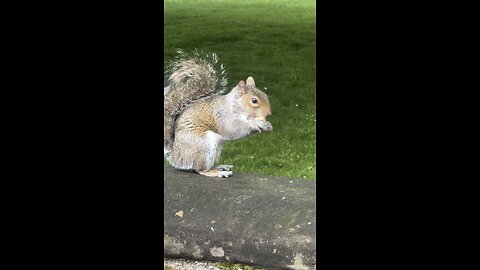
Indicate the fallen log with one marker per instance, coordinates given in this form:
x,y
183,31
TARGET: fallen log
x,y
264,221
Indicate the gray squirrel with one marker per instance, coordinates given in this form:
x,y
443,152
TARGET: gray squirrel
x,y
199,117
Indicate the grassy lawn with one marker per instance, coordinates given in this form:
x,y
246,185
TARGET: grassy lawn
x,y
273,41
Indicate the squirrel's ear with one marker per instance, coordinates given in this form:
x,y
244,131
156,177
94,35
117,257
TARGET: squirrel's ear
x,y
240,89
250,82
241,84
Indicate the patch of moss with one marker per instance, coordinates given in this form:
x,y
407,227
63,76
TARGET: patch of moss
x,y
166,267
235,266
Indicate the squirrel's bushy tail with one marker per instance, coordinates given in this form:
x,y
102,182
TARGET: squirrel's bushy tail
x,y
188,77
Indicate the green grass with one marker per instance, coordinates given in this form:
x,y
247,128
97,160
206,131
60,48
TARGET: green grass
x,y
273,41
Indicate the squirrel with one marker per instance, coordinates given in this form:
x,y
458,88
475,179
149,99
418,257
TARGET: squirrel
x,y
199,117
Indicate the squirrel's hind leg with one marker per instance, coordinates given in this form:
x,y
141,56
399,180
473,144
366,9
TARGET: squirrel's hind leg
x,y
213,149
223,171
216,173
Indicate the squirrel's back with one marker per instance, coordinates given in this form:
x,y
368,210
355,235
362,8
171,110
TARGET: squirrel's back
x,y
189,77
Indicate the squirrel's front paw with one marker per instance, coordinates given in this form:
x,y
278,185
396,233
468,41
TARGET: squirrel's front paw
x,y
263,126
268,126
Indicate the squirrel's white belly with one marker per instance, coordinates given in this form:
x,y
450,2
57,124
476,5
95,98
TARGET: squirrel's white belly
x,y
214,138
215,143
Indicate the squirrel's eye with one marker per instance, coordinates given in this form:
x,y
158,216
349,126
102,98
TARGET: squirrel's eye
x,y
254,101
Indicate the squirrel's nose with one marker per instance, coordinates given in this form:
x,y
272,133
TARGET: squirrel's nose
x,y
268,112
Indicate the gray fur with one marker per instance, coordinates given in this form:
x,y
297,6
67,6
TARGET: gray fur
x,y
189,77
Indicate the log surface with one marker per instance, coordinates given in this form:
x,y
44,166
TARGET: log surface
x,y
264,221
